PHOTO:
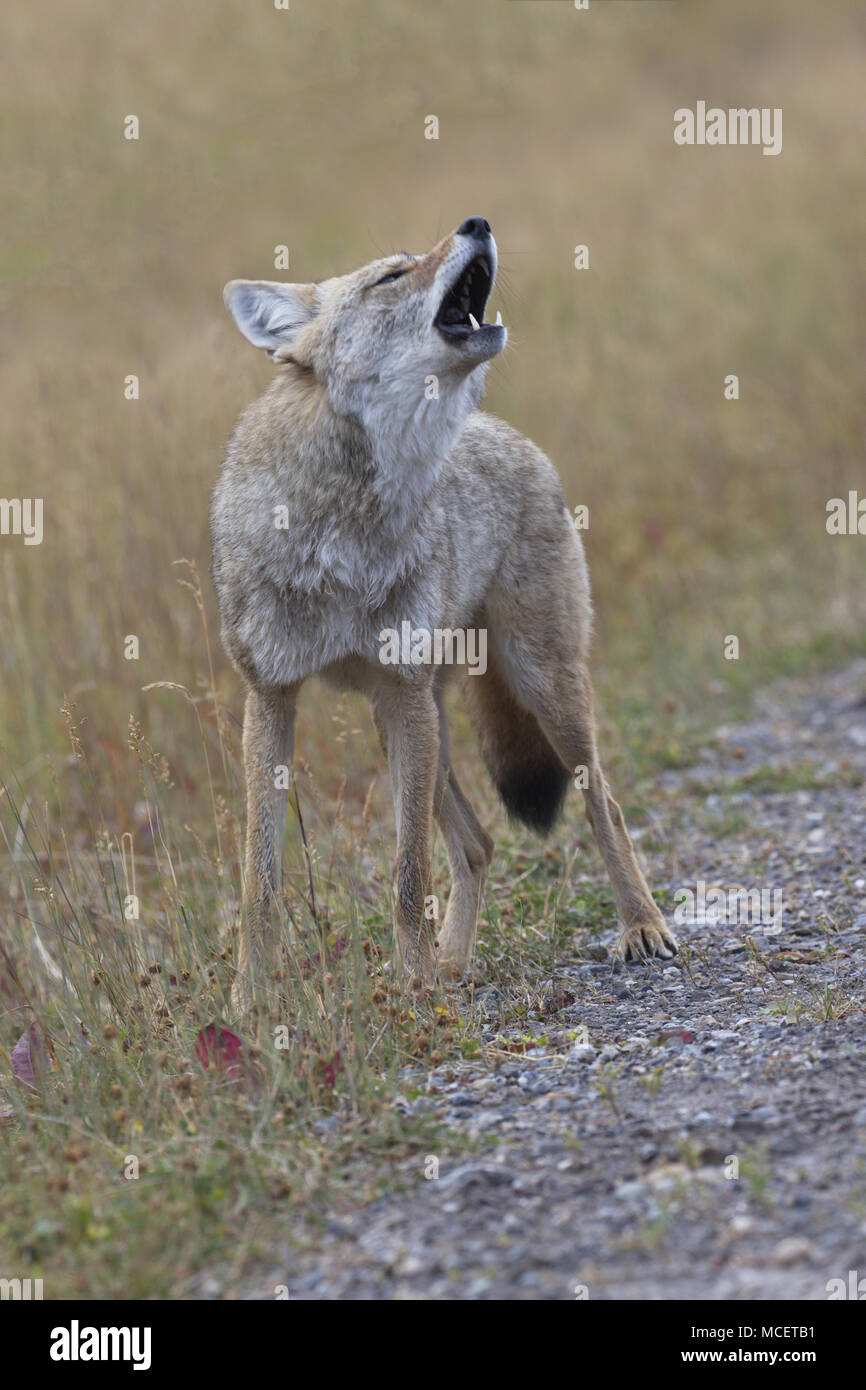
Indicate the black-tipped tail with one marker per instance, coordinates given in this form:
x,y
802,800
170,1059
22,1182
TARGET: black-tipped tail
x,y
534,795
528,774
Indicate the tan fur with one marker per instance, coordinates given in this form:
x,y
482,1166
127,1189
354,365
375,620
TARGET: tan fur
x,y
406,508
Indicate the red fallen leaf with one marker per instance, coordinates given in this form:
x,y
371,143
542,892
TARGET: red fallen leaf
x,y
326,1072
26,1057
218,1045
685,1034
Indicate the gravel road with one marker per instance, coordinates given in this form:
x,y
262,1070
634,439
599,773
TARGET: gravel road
x,y
695,1130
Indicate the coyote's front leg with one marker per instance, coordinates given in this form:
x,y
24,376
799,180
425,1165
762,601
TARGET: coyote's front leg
x,y
269,725
408,723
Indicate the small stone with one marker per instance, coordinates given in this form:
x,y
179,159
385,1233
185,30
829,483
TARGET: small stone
x,y
793,1250
628,1191
741,1225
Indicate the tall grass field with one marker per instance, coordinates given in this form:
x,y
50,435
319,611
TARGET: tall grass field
x,y
144,1144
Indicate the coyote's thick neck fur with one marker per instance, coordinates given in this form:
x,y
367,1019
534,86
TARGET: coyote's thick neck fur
x,y
357,481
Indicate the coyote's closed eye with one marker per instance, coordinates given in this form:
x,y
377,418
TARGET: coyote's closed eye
x,y
392,275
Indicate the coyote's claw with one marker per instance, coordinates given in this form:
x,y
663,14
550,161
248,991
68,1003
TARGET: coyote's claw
x,y
650,937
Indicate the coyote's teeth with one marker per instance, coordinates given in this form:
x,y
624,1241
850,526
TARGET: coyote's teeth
x,y
498,319
473,320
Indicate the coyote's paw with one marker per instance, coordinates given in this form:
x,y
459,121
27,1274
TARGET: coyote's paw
x,y
648,936
451,969
454,953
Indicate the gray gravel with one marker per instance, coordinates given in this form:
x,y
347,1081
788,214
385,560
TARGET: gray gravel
x,y
695,1130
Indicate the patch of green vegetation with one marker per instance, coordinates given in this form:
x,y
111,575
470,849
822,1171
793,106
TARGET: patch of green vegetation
x,y
756,1172
732,820
792,777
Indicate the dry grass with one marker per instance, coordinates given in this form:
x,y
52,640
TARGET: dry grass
x,y
707,518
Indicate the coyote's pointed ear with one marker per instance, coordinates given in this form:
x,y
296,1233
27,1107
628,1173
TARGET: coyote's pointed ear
x,y
270,314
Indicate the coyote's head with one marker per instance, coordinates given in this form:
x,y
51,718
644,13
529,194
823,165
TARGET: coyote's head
x,y
398,332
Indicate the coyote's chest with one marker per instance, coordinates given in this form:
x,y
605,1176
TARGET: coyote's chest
x,y
329,577
349,557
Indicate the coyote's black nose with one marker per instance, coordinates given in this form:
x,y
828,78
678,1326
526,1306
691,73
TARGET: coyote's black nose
x,y
478,227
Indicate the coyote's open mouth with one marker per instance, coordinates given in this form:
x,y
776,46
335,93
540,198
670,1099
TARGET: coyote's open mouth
x,y
461,312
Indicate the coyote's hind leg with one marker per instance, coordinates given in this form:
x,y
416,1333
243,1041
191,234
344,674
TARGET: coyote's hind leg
x,y
567,719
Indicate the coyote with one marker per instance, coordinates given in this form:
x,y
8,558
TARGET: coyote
x,y
364,491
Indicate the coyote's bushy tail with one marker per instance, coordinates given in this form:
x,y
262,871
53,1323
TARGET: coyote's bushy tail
x,y
529,775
